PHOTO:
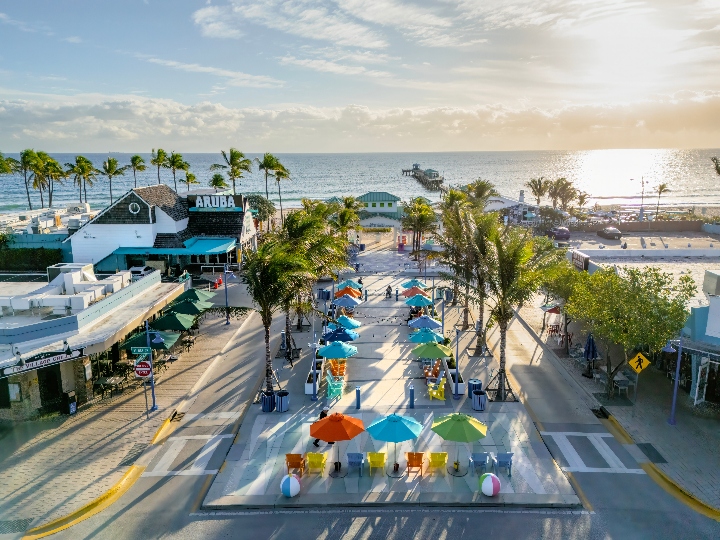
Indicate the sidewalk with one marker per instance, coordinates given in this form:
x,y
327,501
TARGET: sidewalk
x,y
687,452
383,369
52,467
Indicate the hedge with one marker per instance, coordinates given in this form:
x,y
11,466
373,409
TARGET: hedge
x,y
28,259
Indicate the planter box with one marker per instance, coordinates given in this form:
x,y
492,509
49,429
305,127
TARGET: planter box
x,y
309,382
451,381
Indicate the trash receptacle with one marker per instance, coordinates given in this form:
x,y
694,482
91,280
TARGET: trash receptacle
x,y
401,247
282,403
362,247
448,295
267,401
473,384
69,402
479,400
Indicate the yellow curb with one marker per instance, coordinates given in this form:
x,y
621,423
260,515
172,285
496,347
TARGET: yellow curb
x,y
578,490
164,425
90,509
617,430
674,489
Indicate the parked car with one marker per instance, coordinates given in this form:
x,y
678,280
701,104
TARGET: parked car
x,y
138,272
559,233
610,232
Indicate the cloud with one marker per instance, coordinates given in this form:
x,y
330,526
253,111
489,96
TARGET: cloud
x,y
328,66
73,39
215,22
234,78
25,26
130,123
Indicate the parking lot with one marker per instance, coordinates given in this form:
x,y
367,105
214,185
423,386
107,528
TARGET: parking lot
x,y
651,240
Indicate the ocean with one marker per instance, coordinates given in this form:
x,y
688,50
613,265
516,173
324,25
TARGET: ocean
x,y
609,176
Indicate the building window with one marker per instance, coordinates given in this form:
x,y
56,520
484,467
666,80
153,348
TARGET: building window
x,y
4,394
389,205
366,205
382,205
374,205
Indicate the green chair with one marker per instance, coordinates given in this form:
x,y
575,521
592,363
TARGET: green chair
x,y
334,388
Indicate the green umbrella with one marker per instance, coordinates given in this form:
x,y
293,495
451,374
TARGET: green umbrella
x,y
140,340
432,350
195,295
188,307
174,321
458,427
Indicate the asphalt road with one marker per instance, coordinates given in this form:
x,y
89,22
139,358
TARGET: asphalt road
x,y
167,505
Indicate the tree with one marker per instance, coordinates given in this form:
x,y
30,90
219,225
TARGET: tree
x,y
24,167
519,261
418,217
662,188
568,193
716,162
111,169
5,167
280,175
264,207
83,173
45,172
189,179
175,162
137,164
54,174
159,159
554,190
559,283
346,215
538,187
479,191
634,308
235,165
218,182
269,164
271,274
582,198
452,237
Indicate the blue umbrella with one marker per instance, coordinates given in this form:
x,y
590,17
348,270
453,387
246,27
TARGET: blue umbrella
x,y
419,301
341,334
426,335
337,349
424,322
414,283
346,301
347,322
349,283
394,428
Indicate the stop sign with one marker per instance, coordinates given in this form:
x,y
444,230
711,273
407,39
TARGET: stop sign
x,y
143,369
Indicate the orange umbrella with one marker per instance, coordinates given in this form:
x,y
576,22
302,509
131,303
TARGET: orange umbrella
x,y
413,291
349,291
336,427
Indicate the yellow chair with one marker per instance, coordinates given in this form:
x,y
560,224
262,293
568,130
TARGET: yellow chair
x,y
315,460
437,391
438,460
377,460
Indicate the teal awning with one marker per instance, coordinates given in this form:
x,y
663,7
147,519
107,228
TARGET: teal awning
x,y
193,246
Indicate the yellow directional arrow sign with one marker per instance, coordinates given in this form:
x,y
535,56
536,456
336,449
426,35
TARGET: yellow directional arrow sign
x,y
639,362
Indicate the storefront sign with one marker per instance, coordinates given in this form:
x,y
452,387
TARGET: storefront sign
x,y
215,203
43,360
580,260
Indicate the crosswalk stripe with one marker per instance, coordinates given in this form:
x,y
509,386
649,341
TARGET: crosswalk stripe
x,y
201,437
602,470
575,462
571,455
607,454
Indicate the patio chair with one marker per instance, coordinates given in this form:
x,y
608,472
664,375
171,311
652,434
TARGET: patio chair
x,y
415,461
437,391
503,459
376,460
438,460
441,375
335,388
432,372
295,461
316,460
479,459
356,459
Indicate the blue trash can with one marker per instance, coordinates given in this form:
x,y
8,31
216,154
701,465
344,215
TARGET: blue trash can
x,y
362,247
267,401
473,384
282,403
448,295
479,400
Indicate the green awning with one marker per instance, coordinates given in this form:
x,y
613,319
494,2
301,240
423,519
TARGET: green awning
x,y
174,322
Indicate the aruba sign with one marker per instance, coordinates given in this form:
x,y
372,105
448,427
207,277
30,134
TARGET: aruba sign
x,y
215,203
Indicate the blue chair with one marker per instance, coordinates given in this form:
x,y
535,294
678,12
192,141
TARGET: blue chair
x,y
356,459
480,459
503,460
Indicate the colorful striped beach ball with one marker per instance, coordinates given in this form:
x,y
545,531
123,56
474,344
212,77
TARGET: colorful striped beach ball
x,y
489,484
290,485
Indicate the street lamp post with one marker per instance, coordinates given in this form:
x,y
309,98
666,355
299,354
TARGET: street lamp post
x,y
456,394
158,339
670,349
227,305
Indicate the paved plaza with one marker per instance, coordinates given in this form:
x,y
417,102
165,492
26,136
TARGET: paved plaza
x,y
383,370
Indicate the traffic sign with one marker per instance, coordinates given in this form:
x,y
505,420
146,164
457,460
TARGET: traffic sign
x,y
143,369
638,363
140,350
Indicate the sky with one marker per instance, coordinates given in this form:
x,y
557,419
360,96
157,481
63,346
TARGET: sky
x,y
358,75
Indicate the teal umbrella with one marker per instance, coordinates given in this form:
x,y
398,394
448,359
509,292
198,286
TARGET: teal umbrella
x,y
419,301
394,428
349,283
337,349
349,323
414,283
425,335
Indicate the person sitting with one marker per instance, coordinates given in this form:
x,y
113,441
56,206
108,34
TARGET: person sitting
x,y
388,292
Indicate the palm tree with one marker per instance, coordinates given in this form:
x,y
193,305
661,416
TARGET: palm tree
x,y
137,163
582,198
271,274
479,192
280,174
568,193
265,208
175,163
159,159
5,167
235,164
218,182
269,164
538,187
189,179
518,262
480,245
45,171
54,173
83,173
555,189
662,188
716,162
111,169
24,167
418,217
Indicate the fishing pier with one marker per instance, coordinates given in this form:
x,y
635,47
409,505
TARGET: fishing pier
x,y
430,179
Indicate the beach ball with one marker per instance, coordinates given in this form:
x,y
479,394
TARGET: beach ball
x,y
290,485
489,484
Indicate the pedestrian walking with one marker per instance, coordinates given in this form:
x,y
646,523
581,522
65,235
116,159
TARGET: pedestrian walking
x,y
323,414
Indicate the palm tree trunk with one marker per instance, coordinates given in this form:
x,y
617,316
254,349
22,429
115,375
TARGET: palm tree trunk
x,y
85,189
42,199
135,177
268,359
466,311
233,181
80,189
174,181
50,193
501,373
481,316
158,174
288,336
657,208
282,217
456,291
27,190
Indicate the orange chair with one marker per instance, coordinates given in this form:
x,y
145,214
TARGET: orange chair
x,y
295,461
415,461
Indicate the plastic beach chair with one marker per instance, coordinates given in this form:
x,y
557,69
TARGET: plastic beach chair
x,y
295,461
356,459
438,460
335,388
480,459
504,459
437,391
316,460
376,460
415,461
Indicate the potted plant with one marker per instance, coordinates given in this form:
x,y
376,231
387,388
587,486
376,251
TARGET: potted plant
x,y
451,381
309,382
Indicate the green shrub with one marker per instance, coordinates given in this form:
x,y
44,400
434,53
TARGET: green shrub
x,y
28,259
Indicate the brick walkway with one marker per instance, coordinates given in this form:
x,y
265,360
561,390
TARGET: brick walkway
x,y
52,467
686,452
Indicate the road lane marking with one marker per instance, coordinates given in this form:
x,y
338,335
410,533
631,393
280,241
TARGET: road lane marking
x,y
602,470
201,462
201,437
170,455
186,472
567,449
607,454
